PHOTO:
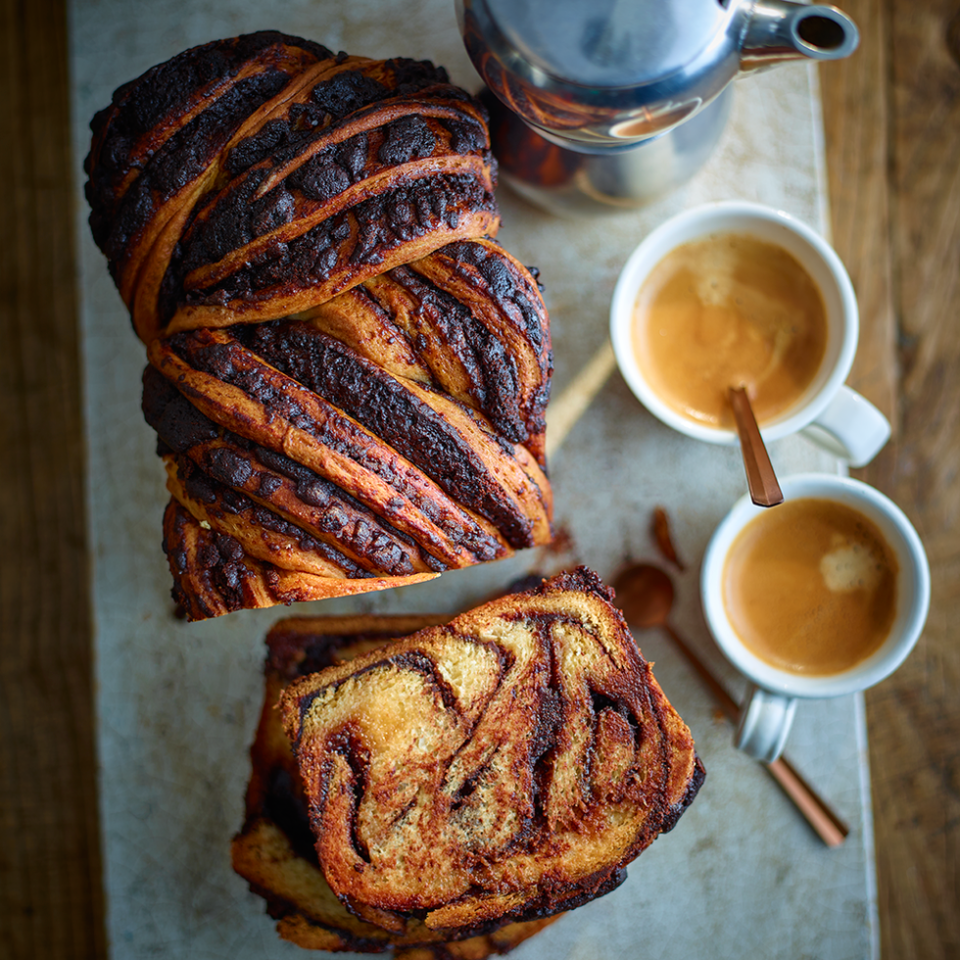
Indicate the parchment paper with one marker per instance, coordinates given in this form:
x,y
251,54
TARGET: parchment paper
x,y
742,875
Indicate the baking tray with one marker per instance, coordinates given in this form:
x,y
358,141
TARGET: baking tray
x,y
177,703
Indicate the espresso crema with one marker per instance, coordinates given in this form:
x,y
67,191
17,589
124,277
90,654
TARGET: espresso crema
x,y
810,586
729,310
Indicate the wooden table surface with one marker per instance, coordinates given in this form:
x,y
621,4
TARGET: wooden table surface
x,y
892,120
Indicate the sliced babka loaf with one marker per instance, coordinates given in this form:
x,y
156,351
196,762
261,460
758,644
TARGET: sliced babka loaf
x,y
500,768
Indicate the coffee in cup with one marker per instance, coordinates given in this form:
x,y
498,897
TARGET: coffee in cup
x,y
811,587
822,596
682,340
729,310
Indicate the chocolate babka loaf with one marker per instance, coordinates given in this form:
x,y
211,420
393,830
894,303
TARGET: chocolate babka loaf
x,y
502,768
274,851
348,377
255,177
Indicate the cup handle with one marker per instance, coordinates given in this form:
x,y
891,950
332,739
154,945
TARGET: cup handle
x,y
850,427
765,720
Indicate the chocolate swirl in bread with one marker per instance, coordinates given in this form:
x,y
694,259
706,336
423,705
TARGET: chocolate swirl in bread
x,y
500,768
255,177
274,851
468,320
348,376
303,467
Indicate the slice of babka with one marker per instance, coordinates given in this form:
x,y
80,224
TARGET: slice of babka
x,y
275,852
500,768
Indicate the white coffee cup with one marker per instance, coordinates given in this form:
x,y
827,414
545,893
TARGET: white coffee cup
x,y
828,412
768,708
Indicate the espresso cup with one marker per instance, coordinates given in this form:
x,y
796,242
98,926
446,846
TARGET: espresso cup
x,y
825,409
822,602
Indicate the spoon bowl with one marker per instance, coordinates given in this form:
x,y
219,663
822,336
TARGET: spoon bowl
x,y
645,595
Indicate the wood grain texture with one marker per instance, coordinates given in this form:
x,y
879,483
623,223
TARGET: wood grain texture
x,y
892,117
856,131
50,890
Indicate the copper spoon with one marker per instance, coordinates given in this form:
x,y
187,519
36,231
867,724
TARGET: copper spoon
x,y
645,595
761,480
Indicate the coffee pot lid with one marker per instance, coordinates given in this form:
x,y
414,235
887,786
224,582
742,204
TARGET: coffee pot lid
x,y
609,43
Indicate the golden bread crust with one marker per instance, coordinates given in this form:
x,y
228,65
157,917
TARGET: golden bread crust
x,y
274,851
213,576
272,175
502,767
328,473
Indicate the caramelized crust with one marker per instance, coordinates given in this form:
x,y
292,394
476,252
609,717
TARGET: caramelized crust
x,y
256,177
348,377
274,850
321,467
212,574
500,768
467,319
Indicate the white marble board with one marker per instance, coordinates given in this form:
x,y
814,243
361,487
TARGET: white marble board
x,y
742,875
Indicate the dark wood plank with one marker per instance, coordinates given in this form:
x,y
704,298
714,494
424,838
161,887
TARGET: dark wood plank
x,y
892,116
856,130
51,904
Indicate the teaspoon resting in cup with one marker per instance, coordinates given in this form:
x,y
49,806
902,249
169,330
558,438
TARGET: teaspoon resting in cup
x,y
761,479
734,292
645,595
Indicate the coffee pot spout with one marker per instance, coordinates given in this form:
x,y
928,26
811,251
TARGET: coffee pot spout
x,y
778,31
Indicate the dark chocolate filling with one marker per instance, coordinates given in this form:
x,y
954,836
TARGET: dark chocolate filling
x,y
385,407
404,212
230,363
490,367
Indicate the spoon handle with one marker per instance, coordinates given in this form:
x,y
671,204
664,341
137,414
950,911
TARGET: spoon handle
x,y
724,700
831,829
828,826
762,481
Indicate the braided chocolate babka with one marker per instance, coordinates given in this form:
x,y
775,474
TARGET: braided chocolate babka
x,y
275,851
251,178
501,768
348,376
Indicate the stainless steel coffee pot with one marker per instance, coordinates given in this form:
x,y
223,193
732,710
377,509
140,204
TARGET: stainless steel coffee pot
x,y
604,104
